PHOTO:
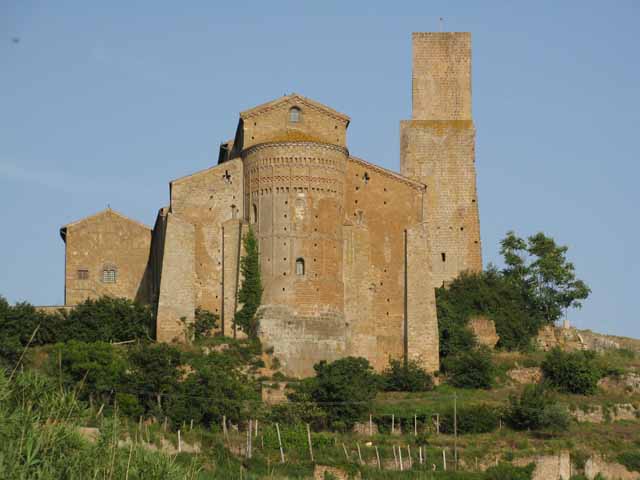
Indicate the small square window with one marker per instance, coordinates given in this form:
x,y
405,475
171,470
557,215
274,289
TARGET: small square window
x,y
109,276
83,274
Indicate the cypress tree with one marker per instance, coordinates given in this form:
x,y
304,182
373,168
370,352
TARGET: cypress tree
x,y
250,294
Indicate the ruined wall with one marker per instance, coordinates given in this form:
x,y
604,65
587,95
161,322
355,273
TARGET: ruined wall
x,y
108,241
177,299
437,148
379,206
294,196
207,199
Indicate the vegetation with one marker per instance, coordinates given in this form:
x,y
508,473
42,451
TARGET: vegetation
x,y
470,369
406,377
573,372
204,323
536,408
105,319
480,418
534,288
250,294
343,389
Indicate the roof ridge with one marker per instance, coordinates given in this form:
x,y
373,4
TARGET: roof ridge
x,y
390,173
106,211
300,99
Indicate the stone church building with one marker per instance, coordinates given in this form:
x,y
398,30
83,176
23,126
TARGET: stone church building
x,y
350,252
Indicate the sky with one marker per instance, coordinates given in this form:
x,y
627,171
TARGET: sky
x,y
103,103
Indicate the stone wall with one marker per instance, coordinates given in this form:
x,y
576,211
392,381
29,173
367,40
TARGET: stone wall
x,y
177,299
437,148
380,206
107,241
206,200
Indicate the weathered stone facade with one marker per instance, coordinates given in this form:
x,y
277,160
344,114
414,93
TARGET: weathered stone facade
x,y
350,252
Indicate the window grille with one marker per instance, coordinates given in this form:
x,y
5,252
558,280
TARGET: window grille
x,y
83,274
294,115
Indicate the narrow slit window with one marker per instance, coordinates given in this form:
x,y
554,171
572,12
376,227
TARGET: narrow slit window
x,y
255,213
300,266
443,256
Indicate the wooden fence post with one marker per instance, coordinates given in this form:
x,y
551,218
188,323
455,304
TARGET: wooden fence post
x,y
179,442
344,447
378,458
309,440
400,456
393,423
280,443
359,453
444,460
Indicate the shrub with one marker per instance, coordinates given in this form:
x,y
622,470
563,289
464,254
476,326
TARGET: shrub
x,y
536,409
344,389
472,369
399,377
506,471
204,323
573,372
471,419
631,460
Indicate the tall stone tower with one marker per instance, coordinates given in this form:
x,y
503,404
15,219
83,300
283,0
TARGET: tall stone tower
x,y
437,148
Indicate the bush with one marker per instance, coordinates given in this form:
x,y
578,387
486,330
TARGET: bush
x,y
472,369
536,409
203,324
399,377
573,372
344,389
631,460
471,419
506,471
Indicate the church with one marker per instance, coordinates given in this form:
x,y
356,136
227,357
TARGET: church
x,y
350,252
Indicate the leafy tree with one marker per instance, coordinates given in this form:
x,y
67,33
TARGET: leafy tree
x,y
250,294
573,372
536,409
153,373
471,369
211,387
107,319
410,377
95,368
344,389
541,269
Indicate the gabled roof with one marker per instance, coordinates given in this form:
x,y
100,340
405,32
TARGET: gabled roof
x,y
294,99
106,211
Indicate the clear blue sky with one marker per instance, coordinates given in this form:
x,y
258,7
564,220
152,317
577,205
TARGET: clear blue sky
x,y
105,102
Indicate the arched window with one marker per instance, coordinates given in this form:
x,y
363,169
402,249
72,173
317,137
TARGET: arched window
x,y
109,273
294,114
255,213
300,266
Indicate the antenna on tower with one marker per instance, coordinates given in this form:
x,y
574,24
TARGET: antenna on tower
x,y
441,22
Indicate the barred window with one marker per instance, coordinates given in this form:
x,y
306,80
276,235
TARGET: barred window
x,y
294,114
83,274
109,273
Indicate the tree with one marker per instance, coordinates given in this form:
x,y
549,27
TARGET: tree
x,y
154,373
250,294
471,369
96,368
573,372
204,323
541,269
536,409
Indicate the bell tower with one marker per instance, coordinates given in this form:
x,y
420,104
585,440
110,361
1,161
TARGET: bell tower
x,y
437,148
